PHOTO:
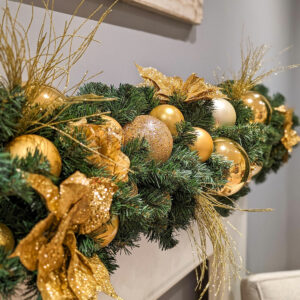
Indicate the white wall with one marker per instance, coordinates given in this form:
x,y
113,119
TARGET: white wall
x,y
133,35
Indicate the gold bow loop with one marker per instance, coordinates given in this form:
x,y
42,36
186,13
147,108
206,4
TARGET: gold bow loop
x,y
81,205
194,88
290,137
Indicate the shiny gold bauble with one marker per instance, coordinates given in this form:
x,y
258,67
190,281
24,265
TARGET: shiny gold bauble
x,y
24,144
6,238
240,169
107,232
155,132
254,170
203,144
49,98
113,125
168,114
223,112
259,105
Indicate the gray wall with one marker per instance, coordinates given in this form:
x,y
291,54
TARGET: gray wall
x,y
133,35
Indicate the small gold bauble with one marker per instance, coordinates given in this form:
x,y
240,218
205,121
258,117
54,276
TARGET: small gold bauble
x,y
254,170
49,98
168,114
24,144
155,132
107,232
6,238
240,169
259,105
223,112
203,144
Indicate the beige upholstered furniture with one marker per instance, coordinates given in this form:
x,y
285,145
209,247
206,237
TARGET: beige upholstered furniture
x,y
272,286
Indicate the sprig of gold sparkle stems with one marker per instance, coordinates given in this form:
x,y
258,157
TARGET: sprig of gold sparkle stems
x,y
251,72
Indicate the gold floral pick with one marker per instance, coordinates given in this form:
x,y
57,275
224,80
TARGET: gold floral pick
x,y
81,205
193,89
290,137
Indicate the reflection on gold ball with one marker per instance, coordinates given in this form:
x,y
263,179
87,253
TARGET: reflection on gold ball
x,y
239,171
155,132
223,112
260,106
24,144
114,127
49,98
254,170
203,144
168,114
6,238
107,232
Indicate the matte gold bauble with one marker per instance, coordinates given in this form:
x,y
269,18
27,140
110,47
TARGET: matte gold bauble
x,y
24,144
155,132
254,170
107,232
168,114
49,98
223,112
6,238
240,169
203,144
259,105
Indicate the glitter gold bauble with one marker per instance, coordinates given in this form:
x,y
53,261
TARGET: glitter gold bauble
x,y
155,132
107,232
169,114
240,169
6,238
254,170
24,144
203,144
49,98
223,112
259,105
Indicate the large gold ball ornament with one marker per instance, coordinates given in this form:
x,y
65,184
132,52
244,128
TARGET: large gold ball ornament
x,y
168,114
107,232
223,112
6,238
240,169
203,144
24,144
259,105
155,132
254,170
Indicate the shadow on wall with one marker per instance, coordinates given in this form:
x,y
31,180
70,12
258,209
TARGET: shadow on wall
x,y
128,16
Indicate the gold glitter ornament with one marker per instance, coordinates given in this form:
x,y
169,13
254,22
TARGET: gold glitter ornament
x,y
113,125
169,114
254,170
240,169
223,112
155,132
203,144
259,105
107,232
24,144
81,204
6,238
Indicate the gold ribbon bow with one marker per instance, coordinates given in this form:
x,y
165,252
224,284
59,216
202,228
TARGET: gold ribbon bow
x,y
80,205
290,137
194,88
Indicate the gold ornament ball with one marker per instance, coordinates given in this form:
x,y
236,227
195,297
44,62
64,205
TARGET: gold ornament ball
x,y
168,114
24,144
223,112
107,232
259,105
254,170
155,132
6,238
240,169
203,144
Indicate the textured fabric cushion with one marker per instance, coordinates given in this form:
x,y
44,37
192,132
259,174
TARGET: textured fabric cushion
x,y
272,286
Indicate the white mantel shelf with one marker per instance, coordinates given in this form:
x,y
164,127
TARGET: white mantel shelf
x,y
149,272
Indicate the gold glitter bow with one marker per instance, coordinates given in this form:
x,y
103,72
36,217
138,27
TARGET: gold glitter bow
x,y
194,88
80,205
290,137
